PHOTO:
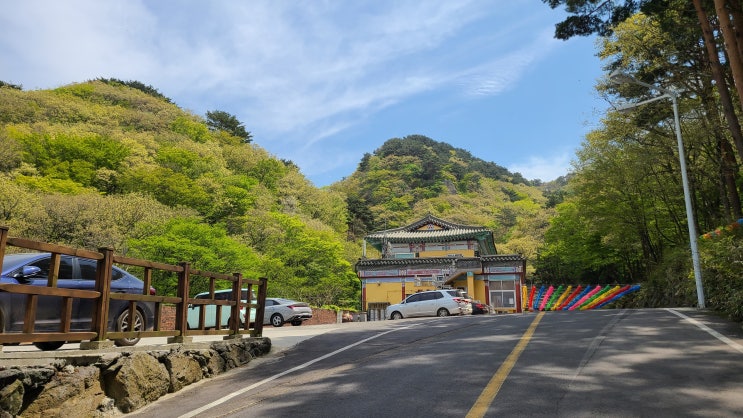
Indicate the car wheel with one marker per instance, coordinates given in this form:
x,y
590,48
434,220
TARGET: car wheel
x,y
229,324
297,322
442,312
277,320
49,345
122,324
396,315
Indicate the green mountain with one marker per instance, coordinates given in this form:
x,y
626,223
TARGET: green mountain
x,y
407,178
117,164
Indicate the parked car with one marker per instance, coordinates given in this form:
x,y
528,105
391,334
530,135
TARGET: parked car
x,y
430,303
279,311
479,308
74,273
210,315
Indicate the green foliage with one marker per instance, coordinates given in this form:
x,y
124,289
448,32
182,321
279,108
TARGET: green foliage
x,y
207,247
11,153
85,220
147,89
110,163
621,216
168,187
573,252
196,131
670,283
52,185
436,158
184,161
268,172
223,121
5,84
313,267
407,178
72,157
722,259
18,207
588,16
360,218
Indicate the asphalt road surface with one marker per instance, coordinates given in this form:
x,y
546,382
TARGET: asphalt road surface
x,y
602,363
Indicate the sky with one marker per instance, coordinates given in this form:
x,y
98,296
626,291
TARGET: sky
x,y
322,82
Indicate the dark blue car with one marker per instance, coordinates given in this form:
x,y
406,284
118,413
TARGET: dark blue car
x,y
74,273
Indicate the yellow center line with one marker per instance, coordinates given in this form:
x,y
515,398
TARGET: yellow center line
x,y
491,390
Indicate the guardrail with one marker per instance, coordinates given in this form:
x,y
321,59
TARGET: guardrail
x,y
100,335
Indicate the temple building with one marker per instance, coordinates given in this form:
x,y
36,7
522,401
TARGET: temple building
x,y
433,254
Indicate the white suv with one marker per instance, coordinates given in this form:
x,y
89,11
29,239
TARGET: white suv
x,y
430,303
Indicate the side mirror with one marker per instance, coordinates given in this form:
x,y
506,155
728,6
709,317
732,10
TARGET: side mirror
x,y
28,272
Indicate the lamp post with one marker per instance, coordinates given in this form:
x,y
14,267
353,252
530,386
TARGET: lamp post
x,y
619,77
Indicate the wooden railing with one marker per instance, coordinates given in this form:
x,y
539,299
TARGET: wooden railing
x,y
100,334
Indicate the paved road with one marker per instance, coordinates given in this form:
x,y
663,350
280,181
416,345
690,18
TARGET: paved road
x,y
628,363
282,338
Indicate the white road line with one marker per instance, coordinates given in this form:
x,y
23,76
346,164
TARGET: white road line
x,y
284,373
709,330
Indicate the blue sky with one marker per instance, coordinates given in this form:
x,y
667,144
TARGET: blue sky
x,y
321,82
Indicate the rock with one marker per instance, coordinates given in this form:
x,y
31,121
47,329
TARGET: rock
x,y
230,352
238,353
259,346
136,380
96,385
210,361
183,371
11,398
72,392
32,377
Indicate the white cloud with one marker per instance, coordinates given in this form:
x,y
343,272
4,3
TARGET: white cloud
x,y
506,70
298,74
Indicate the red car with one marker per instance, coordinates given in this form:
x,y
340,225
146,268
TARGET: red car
x,y
479,308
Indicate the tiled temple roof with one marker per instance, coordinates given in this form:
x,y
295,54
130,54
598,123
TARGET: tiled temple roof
x,y
448,232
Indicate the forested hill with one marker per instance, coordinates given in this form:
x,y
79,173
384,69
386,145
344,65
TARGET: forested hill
x,y
407,178
117,164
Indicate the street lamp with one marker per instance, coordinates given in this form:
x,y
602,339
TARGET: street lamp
x,y
618,77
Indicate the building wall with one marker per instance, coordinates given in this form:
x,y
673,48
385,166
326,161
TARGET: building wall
x,y
444,253
378,291
392,290
465,248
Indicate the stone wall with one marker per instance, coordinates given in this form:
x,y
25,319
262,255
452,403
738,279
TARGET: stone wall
x,y
107,384
116,382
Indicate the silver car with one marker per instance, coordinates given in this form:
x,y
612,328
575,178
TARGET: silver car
x,y
279,310
430,303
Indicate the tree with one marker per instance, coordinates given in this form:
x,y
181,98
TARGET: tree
x,y
10,85
219,120
307,264
147,89
601,17
207,247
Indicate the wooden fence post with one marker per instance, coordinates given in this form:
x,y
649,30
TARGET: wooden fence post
x,y
3,243
258,330
235,312
100,309
181,308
